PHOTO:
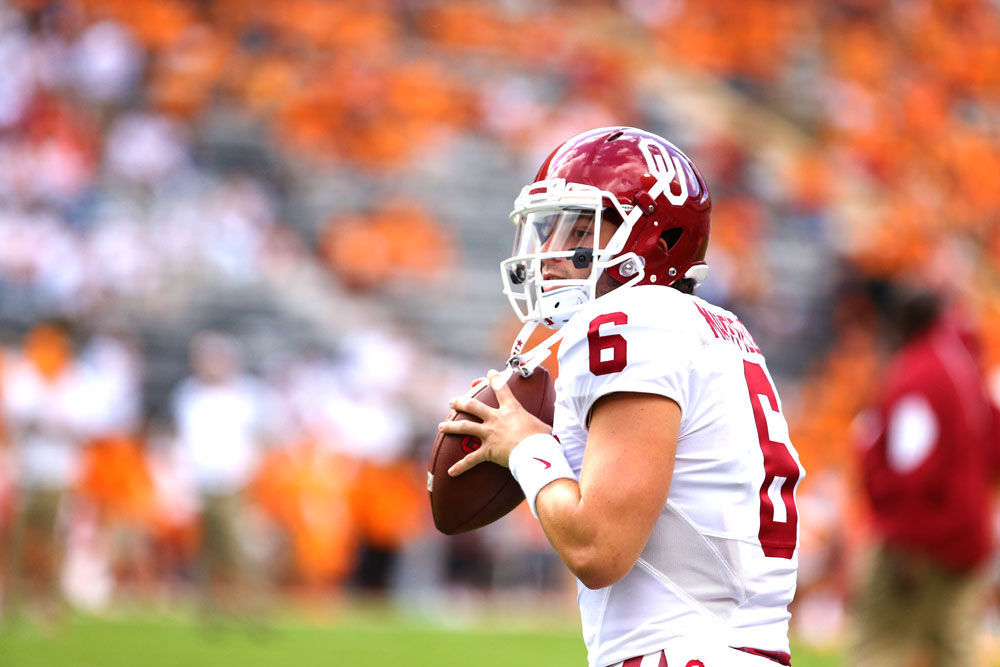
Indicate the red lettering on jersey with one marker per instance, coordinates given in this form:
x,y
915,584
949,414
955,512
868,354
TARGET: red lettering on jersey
x,y
728,329
710,318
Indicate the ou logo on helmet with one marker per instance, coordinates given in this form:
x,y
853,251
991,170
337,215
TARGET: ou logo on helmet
x,y
666,168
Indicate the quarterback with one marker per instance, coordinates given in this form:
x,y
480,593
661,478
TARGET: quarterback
x,y
667,481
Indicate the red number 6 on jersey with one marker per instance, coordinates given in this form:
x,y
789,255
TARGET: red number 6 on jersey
x,y
779,519
608,353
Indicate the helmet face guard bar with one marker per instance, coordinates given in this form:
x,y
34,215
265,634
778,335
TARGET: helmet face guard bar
x,y
557,221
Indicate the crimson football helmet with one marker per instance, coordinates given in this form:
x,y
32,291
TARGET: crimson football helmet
x,y
618,201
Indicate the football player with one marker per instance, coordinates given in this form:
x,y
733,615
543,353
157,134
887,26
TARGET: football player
x,y
667,482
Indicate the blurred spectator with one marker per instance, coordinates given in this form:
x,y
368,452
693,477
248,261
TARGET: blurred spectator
x,y
399,242
44,401
305,486
372,424
174,518
930,453
219,416
110,541
115,501
105,62
16,70
146,148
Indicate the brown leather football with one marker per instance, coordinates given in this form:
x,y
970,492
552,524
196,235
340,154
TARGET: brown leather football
x,y
488,491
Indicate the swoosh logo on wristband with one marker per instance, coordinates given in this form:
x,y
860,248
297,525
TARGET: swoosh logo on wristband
x,y
547,464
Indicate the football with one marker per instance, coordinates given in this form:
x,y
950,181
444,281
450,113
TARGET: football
x,y
488,491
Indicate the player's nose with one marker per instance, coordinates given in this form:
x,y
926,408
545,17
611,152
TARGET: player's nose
x,y
549,264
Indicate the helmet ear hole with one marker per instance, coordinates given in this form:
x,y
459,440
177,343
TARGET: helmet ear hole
x,y
671,237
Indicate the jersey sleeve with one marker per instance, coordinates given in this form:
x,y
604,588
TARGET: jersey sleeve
x,y
626,347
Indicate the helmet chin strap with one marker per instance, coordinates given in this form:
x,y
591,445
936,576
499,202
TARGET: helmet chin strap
x,y
525,363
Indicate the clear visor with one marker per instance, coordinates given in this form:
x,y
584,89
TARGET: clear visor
x,y
558,233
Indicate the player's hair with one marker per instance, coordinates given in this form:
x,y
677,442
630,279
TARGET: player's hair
x,y
917,312
685,285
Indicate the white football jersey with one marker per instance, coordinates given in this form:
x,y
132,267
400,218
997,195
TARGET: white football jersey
x,y
721,562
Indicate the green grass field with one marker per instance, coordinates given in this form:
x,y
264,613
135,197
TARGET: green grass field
x,y
356,637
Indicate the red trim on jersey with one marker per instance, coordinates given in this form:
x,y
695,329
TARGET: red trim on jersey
x,y
779,657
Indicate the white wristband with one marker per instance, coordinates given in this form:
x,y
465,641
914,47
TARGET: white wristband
x,y
536,461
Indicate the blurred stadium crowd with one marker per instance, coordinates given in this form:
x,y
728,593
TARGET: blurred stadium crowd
x,y
247,251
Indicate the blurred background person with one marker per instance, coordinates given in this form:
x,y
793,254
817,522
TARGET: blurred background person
x,y
372,423
220,415
44,407
930,456
110,545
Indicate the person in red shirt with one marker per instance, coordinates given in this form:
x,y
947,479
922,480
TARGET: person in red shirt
x,y
928,461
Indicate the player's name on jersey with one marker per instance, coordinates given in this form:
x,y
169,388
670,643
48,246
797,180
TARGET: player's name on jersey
x,y
730,329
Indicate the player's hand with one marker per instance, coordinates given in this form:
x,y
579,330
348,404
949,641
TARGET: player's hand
x,y
502,428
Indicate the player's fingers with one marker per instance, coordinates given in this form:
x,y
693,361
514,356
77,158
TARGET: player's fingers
x,y
478,383
472,406
463,427
470,460
505,396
